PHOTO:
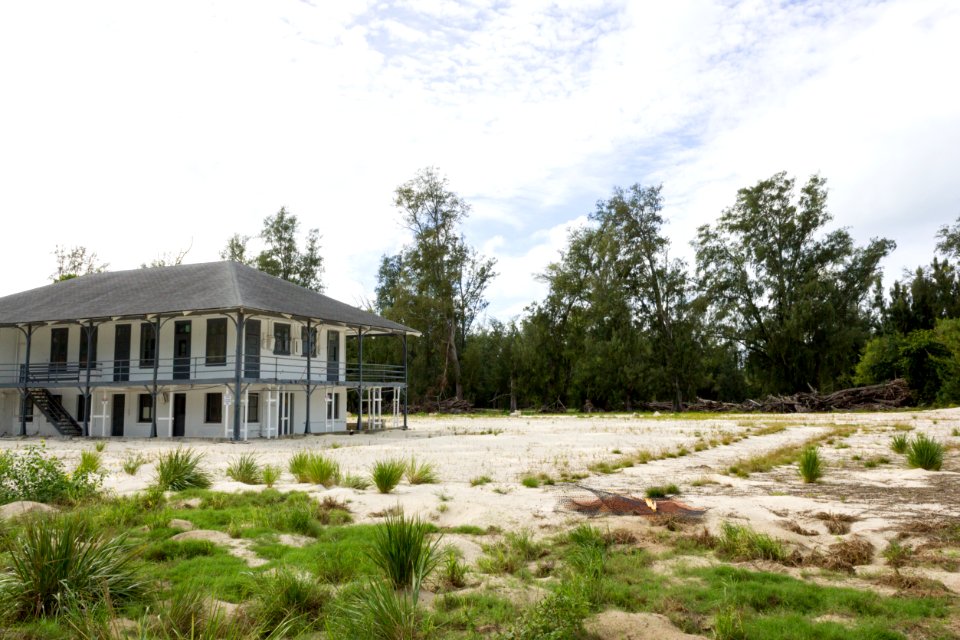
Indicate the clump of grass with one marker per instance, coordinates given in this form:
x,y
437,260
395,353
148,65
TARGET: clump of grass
x,y
355,482
180,469
897,555
480,480
378,612
288,596
404,552
298,464
133,462
899,443
100,446
386,474
900,426
531,482
90,462
453,571
810,466
61,563
245,469
421,472
315,468
663,491
743,543
270,474
925,453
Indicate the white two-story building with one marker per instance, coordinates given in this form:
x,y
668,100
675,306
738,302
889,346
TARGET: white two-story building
x,y
202,350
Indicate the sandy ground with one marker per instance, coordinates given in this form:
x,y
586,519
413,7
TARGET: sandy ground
x,y
508,448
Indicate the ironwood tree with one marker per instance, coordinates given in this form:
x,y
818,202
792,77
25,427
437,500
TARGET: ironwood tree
x,y
282,255
436,284
790,293
74,262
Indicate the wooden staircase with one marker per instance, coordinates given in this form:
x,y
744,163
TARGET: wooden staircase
x,y
54,411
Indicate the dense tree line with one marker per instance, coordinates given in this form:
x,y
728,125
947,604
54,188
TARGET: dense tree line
x,y
777,301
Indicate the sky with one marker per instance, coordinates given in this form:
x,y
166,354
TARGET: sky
x,y
141,129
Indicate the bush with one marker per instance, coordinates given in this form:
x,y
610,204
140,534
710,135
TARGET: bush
x,y
386,474
180,469
61,563
899,443
245,469
403,551
29,474
810,467
925,453
421,473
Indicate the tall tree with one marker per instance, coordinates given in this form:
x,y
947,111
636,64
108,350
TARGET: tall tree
x,y
168,259
437,283
74,262
791,294
282,256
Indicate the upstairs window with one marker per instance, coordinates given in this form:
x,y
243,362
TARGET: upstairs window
x,y
93,347
309,341
217,341
281,339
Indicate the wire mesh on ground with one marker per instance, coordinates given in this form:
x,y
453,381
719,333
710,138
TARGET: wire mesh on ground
x,y
595,502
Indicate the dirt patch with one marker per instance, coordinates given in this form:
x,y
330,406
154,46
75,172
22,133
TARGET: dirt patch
x,y
843,555
837,523
237,548
619,625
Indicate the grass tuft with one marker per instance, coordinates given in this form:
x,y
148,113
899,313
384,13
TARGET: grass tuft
x,y
403,551
899,443
133,462
270,474
355,482
743,543
245,469
387,474
925,453
180,469
421,472
810,466
663,491
90,462
480,480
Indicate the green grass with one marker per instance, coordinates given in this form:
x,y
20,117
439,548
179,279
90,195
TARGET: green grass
x,y
531,482
355,482
100,446
899,443
663,491
246,469
90,462
386,474
810,466
740,542
314,468
480,480
421,472
180,469
925,453
270,474
132,463
404,552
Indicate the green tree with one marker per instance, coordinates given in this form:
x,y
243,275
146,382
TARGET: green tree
x,y
282,256
791,294
167,259
74,262
437,283
949,240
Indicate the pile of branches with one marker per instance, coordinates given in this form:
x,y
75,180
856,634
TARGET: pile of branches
x,y
878,397
447,405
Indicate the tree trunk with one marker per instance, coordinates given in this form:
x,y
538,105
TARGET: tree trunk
x,y
454,360
513,395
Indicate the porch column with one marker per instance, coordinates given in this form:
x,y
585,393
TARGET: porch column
x,y
237,371
309,348
86,385
156,371
360,381
406,391
24,391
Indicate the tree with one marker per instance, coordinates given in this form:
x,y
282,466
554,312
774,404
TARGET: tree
x,y
168,259
437,283
949,240
75,262
281,255
789,293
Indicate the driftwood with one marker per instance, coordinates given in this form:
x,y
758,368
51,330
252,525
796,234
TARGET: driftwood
x,y
889,395
447,405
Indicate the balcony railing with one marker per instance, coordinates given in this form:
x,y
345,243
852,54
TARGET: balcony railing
x,y
288,369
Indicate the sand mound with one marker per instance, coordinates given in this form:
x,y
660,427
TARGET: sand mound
x,y
237,548
23,507
618,625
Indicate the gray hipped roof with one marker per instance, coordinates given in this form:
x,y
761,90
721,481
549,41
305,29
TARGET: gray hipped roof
x,y
211,286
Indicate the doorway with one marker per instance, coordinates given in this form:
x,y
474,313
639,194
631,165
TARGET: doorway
x,y
116,416
285,414
181,350
179,414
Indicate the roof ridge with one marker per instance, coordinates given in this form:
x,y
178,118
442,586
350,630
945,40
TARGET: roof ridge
x,y
232,265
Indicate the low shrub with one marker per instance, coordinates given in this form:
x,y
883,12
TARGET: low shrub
x,y
386,474
245,469
180,469
31,474
925,453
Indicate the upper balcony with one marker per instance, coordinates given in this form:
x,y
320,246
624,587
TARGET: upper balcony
x,y
203,370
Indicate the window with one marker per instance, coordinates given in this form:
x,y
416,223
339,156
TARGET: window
x,y
309,342
217,341
214,408
93,347
81,407
28,410
333,408
148,344
59,340
253,407
145,408
281,339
